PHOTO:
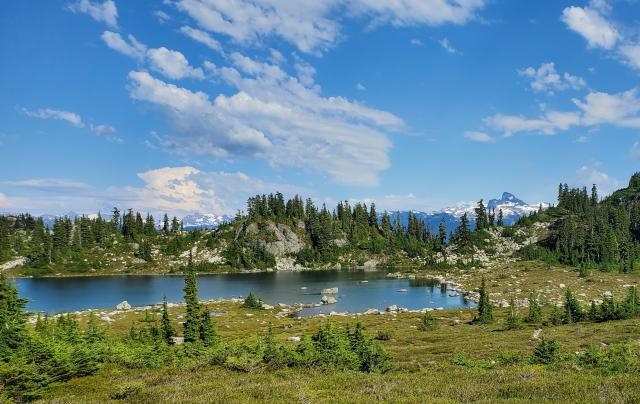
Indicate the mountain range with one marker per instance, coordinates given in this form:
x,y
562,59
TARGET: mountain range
x,y
512,208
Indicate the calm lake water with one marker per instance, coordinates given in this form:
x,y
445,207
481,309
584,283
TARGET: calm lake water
x,y
55,295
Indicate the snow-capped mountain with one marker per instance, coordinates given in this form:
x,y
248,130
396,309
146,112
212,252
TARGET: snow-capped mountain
x,y
512,209
199,221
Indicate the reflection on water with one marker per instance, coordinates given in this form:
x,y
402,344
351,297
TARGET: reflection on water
x,y
357,290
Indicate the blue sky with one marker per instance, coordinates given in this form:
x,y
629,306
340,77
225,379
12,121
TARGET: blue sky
x,y
192,105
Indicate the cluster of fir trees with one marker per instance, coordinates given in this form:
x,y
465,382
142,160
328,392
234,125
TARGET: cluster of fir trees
x,y
24,235
358,226
609,309
596,233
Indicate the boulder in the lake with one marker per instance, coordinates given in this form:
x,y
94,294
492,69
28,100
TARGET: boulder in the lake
x,y
402,290
124,305
329,291
392,309
328,300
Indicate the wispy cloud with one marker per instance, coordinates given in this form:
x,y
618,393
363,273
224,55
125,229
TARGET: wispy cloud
x,y
104,12
48,113
106,131
446,45
590,174
479,137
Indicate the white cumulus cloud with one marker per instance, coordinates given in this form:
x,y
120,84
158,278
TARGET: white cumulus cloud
x,y
311,26
131,48
546,79
276,116
172,64
589,23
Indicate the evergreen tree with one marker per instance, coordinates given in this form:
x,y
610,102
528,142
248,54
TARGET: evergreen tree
x,y
482,221
13,319
513,321
166,329
175,225
572,310
461,234
594,195
485,307
165,224
442,234
500,218
535,311
207,330
193,317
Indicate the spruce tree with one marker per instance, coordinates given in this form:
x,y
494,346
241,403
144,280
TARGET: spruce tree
x,y
166,329
572,310
513,321
485,307
442,234
13,319
481,216
165,224
500,218
207,329
193,318
535,311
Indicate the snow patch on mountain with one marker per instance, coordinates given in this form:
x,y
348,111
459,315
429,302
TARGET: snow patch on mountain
x,y
204,221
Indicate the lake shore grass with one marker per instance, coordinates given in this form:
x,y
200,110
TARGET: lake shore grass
x,y
457,362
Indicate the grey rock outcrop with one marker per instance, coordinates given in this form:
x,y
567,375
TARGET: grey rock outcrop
x,y
124,305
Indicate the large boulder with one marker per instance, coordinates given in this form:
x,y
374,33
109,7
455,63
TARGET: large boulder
x,y
177,340
328,300
124,305
281,239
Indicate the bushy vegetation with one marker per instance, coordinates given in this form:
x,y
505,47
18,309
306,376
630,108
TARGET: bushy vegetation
x,y
56,350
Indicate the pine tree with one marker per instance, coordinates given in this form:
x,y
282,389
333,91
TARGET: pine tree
x,y
442,234
500,218
485,307
481,216
193,318
208,333
535,311
13,319
165,224
166,329
175,225
594,195
572,310
461,234
513,321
